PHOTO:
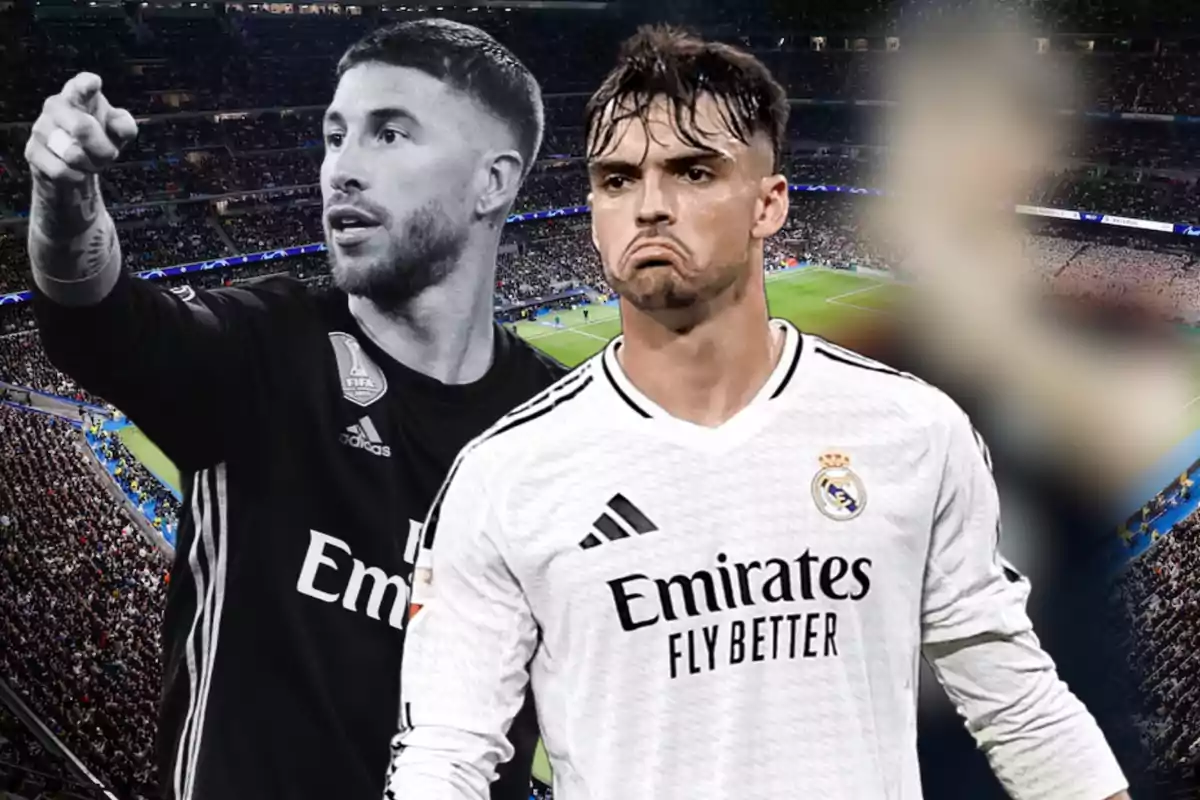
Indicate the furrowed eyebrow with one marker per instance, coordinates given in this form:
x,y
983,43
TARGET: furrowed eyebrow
x,y
692,159
613,166
616,166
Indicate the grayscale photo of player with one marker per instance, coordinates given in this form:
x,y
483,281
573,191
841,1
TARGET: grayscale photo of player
x,y
312,429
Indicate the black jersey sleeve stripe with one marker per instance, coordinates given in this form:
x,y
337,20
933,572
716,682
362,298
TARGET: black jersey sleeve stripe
x,y
867,365
791,370
538,412
435,511
617,387
206,562
214,606
182,750
858,358
561,385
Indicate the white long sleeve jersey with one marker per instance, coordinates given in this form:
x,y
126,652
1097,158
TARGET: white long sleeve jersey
x,y
710,613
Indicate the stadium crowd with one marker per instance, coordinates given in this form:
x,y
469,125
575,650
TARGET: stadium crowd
x,y
148,492
1160,594
81,598
24,363
253,58
28,770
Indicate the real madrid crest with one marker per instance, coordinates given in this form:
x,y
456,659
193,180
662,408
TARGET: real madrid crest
x,y
363,382
837,491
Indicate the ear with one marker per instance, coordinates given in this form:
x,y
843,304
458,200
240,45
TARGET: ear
x,y
771,208
592,217
503,181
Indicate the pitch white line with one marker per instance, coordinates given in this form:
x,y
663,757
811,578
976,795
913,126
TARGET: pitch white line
x,y
836,298
856,307
795,275
585,333
545,330
1193,401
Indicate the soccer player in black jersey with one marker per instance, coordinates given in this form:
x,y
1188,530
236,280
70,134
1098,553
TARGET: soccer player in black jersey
x,y
312,429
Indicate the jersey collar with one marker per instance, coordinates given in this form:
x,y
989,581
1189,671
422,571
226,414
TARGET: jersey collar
x,y
781,377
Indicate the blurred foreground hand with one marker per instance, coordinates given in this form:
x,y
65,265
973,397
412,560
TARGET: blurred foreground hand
x,y
977,123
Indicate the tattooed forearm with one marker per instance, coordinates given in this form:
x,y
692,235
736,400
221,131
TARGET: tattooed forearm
x,y
103,251
65,212
80,269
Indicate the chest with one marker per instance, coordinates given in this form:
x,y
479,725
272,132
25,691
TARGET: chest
x,y
791,514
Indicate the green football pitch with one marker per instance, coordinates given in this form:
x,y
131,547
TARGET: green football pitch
x,y
817,300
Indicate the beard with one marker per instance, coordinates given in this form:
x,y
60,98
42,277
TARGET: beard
x,y
662,289
420,255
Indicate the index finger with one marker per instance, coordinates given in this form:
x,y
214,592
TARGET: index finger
x,y
81,90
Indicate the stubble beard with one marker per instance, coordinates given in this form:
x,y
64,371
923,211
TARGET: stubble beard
x,y
670,292
421,255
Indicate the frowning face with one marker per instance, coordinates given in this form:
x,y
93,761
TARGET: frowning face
x,y
676,224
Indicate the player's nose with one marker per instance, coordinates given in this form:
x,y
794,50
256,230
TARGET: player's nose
x,y
654,206
348,170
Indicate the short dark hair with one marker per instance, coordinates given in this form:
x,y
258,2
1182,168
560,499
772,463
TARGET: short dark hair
x,y
467,59
663,61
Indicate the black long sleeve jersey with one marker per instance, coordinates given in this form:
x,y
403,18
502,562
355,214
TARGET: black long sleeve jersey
x,y
310,459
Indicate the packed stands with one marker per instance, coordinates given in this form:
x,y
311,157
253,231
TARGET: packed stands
x,y
147,492
69,554
25,364
28,770
1159,593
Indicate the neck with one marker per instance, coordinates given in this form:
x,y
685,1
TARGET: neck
x,y
447,331
707,371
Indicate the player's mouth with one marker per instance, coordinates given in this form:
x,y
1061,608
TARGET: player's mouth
x,y
348,226
653,256
652,263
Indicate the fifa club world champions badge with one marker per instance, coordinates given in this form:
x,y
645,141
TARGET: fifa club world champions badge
x,y
363,382
837,491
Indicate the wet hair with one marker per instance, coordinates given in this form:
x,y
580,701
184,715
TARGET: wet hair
x,y
468,60
665,62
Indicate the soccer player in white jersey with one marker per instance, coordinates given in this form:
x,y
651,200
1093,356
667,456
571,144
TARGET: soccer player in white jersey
x,y
728,594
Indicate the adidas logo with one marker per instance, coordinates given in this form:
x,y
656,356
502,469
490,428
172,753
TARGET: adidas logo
x,y
611,530
363,436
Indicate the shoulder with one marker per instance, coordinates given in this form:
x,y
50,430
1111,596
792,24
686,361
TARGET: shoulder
x,y
253,296
275,289
547,421
870,386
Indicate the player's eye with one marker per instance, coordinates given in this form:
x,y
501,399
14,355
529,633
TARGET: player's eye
x,y
615,182
392,135
697,174
334,139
